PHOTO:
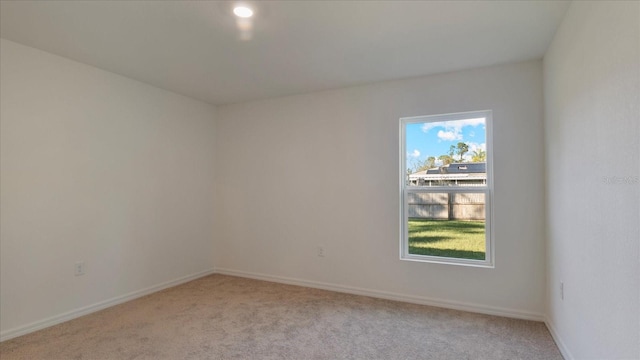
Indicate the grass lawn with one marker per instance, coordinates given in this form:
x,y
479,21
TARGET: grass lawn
x,y
447,238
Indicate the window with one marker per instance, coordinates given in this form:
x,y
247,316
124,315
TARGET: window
x,y
446,188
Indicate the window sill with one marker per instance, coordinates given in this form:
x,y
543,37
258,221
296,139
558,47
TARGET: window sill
x,y
448,261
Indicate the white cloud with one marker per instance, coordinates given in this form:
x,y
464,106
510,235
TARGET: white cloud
x,y
414,154
449,135
428,126
473,147
452,129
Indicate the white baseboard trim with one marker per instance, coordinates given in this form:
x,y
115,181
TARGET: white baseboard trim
x,y
564,351
456,305
57,319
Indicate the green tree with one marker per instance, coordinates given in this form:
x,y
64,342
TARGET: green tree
x,y
479,155
422,167
462,149
446,159
427,164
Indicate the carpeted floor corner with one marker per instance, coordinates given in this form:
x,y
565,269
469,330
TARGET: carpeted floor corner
x,y
225,317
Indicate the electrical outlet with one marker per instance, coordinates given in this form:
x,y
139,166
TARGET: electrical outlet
x,y
320,251
561,290
80,268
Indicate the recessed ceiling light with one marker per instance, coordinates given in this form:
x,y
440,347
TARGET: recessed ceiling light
x,y
243,11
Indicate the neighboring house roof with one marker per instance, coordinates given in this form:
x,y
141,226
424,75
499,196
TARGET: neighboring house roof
x,y
455,171
459,168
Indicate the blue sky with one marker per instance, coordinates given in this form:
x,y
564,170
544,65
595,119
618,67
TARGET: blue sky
x,y
434,138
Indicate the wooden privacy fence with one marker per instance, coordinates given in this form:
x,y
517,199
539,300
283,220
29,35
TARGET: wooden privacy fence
x,y
446,206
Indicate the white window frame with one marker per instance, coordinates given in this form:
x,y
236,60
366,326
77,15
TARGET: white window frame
x,y
487,189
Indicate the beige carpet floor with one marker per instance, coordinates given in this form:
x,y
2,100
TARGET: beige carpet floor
x,y
225,317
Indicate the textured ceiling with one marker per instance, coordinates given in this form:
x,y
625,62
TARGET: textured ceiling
x,y
196,48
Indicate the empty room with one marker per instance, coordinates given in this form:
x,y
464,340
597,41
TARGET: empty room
x,y
320,180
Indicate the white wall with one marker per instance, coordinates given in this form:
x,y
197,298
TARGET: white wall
x,y
322,169
100,168
592,96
